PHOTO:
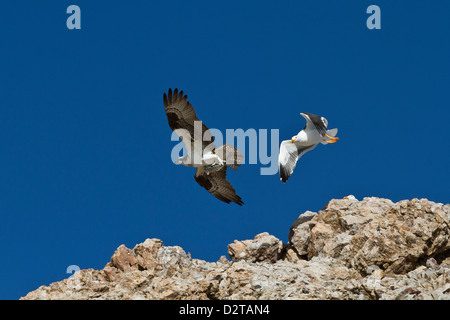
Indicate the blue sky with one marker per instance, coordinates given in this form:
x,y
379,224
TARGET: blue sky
x,y
85,144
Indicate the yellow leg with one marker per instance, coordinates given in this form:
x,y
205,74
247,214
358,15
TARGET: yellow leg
x,y
334,139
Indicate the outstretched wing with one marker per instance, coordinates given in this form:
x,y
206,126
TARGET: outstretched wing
x,y
217,184
230,155
288,157
319,122
181,115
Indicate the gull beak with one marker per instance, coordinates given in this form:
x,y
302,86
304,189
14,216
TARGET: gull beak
x,y
292,140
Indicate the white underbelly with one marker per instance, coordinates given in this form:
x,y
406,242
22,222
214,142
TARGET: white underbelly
x,y
210,159
200,159
197,157
310,137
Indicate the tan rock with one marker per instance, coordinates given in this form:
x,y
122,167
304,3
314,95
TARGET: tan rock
x,y
375,232
263,247
369,249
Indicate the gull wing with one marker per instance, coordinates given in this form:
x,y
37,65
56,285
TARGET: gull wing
x,y
288,157
319,122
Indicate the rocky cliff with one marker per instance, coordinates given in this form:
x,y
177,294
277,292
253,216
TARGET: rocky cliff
x,y
369,249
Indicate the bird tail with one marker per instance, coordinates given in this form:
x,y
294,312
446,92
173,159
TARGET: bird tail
x,y
331,133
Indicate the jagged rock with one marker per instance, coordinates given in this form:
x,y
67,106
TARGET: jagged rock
x,y
375,231
300,233
264,247
369,249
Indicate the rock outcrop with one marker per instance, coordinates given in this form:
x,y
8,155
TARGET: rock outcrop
x,y
369,249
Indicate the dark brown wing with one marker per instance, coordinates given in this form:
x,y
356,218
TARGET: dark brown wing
x,y
217,184
181,115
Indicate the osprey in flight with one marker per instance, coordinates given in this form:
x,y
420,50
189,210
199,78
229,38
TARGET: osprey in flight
x,y
306,140
211,162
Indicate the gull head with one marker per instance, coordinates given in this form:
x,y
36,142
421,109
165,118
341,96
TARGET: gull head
x,y
293,139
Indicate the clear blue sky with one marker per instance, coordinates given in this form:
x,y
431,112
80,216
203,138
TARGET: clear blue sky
x,y
85,144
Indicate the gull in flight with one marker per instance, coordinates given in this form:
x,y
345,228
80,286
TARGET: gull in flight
x,y
313,133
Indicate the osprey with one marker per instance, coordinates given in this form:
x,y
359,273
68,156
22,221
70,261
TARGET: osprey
x,y
306,140
211,162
